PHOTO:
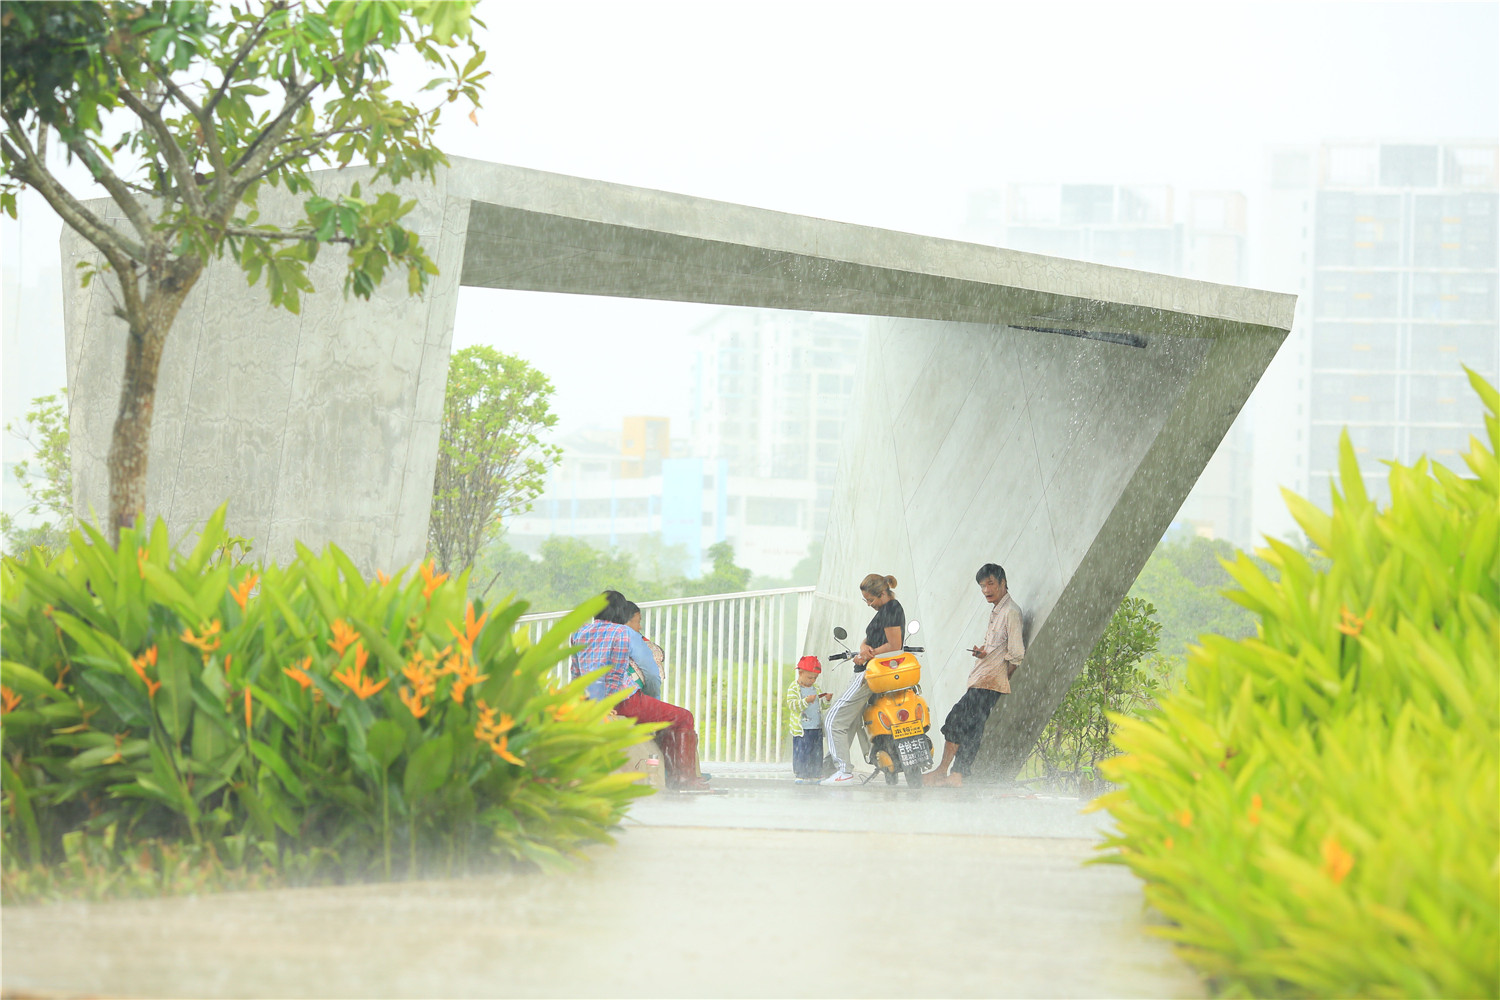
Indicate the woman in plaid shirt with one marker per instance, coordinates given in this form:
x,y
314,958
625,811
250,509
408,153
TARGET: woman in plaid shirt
x,y
609,644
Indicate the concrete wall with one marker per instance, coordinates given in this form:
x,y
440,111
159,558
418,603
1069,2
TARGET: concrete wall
x,y
1061,458
320,426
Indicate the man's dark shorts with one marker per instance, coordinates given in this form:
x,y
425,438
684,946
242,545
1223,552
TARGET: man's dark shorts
x,y
965,725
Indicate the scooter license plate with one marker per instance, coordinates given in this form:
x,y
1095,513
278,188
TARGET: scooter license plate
x,y
906,729
913,752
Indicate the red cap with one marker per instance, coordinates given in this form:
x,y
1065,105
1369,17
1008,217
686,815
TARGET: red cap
x,y
810,663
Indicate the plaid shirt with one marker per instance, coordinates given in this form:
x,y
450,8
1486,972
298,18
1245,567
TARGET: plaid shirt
x,y
605,645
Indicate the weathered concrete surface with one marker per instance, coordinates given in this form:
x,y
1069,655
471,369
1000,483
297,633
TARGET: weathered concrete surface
x,y
324,426
1062,458
723,896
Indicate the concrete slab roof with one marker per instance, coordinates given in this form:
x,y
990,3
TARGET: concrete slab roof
x,y
537,231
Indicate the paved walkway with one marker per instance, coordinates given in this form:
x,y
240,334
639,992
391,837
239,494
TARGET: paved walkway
x,y
772,890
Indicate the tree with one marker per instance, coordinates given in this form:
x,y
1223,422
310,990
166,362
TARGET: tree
x,y
1185,579
724,578
163,104
1116,679
49,484
491,459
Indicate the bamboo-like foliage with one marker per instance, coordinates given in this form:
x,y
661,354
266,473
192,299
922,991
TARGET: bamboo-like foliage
x,y
299,717
1315,809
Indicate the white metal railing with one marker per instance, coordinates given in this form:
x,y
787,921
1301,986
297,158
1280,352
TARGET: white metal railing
x,y
729,659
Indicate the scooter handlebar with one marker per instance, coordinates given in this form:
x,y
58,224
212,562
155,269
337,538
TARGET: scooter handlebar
x,y
841,656
914,649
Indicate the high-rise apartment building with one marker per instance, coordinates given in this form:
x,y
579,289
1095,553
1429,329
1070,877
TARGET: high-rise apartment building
x,y
1137,226
1393,248
772,394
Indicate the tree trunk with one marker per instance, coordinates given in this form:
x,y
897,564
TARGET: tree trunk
x,y
130,445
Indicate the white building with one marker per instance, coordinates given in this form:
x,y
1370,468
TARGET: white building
x,y
1392,247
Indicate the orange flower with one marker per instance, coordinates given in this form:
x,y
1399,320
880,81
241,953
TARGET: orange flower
x,y
471,630
382,578
241,594
1185,818
208,641
465,677
354,677
1336,860
1352,624
8,700
299,672
247,706
139,666
141,558
1167,843
493,733
343,637
563,712
413,702
1254,814
500,747
434,580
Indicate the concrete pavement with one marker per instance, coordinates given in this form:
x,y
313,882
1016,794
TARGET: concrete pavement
x,y
771,890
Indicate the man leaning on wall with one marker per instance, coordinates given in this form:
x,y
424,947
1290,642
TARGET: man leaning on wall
x,y
998,659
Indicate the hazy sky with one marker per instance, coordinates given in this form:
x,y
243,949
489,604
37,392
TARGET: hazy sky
x,y
887,115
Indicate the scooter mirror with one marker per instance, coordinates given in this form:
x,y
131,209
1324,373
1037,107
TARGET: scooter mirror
x,y
913,627
839,633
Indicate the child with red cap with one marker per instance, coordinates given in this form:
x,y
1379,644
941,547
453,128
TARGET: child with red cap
x,y
806,718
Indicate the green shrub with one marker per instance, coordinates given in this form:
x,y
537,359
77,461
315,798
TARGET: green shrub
x,y
1120,676
297,717
1316,808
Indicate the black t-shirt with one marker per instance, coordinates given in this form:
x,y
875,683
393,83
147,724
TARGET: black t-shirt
x,y
886,615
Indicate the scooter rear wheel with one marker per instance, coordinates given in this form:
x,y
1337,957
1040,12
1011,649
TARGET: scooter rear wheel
x,y
890,777
913,777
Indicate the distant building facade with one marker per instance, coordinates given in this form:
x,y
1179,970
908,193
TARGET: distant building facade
x,y
1393,248
607,493
773,391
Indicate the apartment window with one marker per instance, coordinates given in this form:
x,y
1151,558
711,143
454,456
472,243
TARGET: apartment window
x,y
773,512
1440,347
1354,346
828,430
1408,166
1087,204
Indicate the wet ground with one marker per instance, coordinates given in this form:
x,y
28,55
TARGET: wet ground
x,y
771,890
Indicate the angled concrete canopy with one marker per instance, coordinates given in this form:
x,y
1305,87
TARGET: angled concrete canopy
x,y
1047,414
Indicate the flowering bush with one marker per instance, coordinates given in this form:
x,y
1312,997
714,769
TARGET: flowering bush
x,y
297,717
1315,808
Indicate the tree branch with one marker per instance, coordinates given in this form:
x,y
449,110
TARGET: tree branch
x,y
177,164
249,166
251,40
284,234
118,190
205,125
29,168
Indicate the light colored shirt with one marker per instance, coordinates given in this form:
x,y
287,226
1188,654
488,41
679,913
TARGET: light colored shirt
x,y
1002,639
803,715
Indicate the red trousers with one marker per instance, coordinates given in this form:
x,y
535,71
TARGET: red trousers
x,y
679,741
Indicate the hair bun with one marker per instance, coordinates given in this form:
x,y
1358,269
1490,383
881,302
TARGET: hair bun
x,y
890,581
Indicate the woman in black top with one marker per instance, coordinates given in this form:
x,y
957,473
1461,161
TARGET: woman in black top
x,y
884,635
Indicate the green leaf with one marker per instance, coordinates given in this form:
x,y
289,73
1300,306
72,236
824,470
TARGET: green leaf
x,y
427,769
385,741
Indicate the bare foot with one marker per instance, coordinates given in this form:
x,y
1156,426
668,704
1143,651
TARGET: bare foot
x,y
947,781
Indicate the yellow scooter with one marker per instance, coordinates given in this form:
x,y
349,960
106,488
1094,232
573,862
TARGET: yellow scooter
x,y
896,717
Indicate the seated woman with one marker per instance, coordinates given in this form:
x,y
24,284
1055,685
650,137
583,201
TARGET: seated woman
x,y
609,643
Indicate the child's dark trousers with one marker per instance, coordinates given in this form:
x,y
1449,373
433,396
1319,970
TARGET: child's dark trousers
x,y
807,754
